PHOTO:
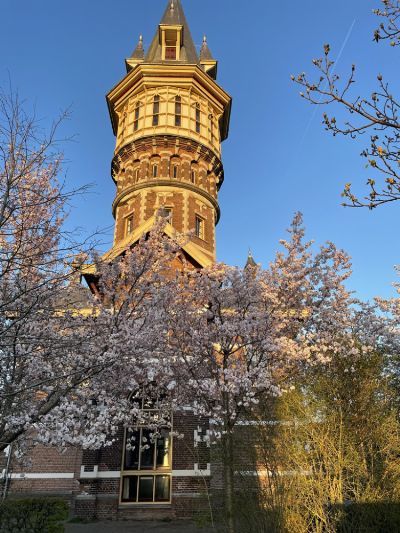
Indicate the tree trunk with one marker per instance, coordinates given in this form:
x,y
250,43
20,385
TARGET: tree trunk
x,y
229,481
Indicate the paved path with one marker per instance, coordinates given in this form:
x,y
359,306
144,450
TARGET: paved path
x,y
135,526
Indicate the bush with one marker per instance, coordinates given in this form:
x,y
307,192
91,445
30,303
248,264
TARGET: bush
x,y
37,515
374,517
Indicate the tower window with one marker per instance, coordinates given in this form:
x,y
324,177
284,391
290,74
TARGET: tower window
x,y
137,174
178,110
199,227
170,52
211,127
198,118
193,176
168,213
129,225
155,171
156,110
136,117
175,171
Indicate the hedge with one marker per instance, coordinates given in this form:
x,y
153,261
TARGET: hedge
x,y
33,515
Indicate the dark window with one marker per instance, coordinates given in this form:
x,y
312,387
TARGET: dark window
x,y
136,174
155,171
136,117
156,110
178,110
170,52
161,493
175,171
193,176
211,127
198,118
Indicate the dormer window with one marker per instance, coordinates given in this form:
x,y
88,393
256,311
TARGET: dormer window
x,y
171,42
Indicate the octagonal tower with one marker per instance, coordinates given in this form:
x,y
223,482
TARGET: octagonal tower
x,y
170,117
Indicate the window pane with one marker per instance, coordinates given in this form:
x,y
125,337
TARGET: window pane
x,y
178,109
146,488
170,52
162,489
198,118
147,451
162,453
132,455
156,110
129,489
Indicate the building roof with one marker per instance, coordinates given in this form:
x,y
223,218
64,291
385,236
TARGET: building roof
x,y
174,16
205,52
250,260
138,52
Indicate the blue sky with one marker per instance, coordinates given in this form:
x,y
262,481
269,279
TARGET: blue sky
x,y
278,158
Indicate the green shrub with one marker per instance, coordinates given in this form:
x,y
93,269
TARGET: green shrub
x,y
34,515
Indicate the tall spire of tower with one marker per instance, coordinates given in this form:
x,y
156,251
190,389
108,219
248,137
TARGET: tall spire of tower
x,y
173,19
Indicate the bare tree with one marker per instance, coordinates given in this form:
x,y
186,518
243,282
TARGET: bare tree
x,y
377,115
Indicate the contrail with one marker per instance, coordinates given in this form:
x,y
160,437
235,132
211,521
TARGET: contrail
x,y
310,121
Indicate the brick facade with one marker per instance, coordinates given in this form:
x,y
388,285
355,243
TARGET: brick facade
x,y
169,118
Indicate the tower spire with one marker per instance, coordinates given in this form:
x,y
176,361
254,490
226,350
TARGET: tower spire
x,y
173,31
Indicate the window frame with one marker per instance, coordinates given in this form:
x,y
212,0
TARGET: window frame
x,y
198,118
154,472
178,111
156,110
136,117
129,224
199,227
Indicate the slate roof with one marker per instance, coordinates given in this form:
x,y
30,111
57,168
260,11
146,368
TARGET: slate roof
x,y
250,261
174,15
138,52
205,52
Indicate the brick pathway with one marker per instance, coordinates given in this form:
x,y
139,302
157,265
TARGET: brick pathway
x,y
131,526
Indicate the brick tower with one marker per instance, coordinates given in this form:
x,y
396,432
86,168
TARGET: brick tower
x,y
170,117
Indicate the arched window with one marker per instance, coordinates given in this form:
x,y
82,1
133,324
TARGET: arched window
x,y
155,170
198,118
178,111
156,110
136,117
193,176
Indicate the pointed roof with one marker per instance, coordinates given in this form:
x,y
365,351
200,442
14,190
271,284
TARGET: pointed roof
x,y
174,16
250,260
138,52
205,52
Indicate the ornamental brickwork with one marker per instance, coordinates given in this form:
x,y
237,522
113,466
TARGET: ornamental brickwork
x,y
169,117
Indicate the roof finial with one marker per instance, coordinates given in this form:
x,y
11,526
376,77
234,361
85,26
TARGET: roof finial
x,y
141,39
172,6
204,39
